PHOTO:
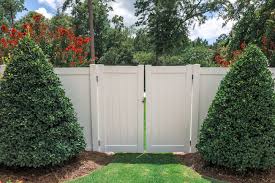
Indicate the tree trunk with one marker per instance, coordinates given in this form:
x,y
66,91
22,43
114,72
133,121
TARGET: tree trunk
x,y
91,24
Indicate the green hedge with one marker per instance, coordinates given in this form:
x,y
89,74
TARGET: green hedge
x,y
239,131
38,125
192,55
122,55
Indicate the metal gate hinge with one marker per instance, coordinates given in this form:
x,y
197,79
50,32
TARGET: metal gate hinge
x,y
96,79
192,76
190,143
98,142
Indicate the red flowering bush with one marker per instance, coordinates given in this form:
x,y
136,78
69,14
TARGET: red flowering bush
x,y
267,46
61,45
220,60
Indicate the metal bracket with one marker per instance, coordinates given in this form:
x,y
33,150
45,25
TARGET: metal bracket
x,y
98,142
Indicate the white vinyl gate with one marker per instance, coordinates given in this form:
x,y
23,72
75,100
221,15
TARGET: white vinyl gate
x,y
108,101
117,98
168,98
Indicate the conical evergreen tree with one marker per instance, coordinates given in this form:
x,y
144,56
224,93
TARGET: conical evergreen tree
x,y
38,126
239,131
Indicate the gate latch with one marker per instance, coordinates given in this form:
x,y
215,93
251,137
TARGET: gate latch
x,y
98,142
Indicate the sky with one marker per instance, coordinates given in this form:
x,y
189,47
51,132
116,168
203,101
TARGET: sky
x,y
210,30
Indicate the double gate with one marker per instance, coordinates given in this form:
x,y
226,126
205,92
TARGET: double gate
x,y
118,109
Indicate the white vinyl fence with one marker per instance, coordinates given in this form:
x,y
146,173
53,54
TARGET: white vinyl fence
x,y
76,82
109,104
205,85
206,81
168,99
118,108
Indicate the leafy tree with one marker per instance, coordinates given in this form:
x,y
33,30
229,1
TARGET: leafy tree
x,y
101,22
29,19
9,9
119,35
191,55
143,57
239,131
168,20
61,20
122,55
255,24
222,40
119,45
38,123
142,41
200,42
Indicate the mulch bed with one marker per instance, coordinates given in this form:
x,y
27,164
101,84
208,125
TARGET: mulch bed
x,y
87,162
195,161
79,166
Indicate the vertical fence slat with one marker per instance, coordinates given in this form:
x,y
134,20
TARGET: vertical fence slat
x,y
188,107
195,107
100,105
94,106
148,75
140,77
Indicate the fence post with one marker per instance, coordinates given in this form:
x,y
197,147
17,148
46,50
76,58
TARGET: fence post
x,y
195,107
148,85
140,76
94,106
188,104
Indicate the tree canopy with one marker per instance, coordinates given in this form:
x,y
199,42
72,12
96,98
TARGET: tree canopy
x,y
9,9
168,20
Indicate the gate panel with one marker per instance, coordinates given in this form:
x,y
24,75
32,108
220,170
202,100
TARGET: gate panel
x,y
168,92
120,108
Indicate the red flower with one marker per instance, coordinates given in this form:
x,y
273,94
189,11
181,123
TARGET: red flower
x,y
70,47
243,45
74,52
236,53
87,40
264,40
20,35
72,64
221,61
78,50
37,17
26,26
13,31
79,41
62,31
4,28
4,42
13,42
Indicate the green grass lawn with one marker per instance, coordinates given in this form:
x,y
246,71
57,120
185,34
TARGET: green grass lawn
x,y
143,168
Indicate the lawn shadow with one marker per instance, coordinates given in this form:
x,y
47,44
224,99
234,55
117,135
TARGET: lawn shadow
x,y
146,158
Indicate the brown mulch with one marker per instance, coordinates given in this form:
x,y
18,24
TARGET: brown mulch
x,y
195,161
79,166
